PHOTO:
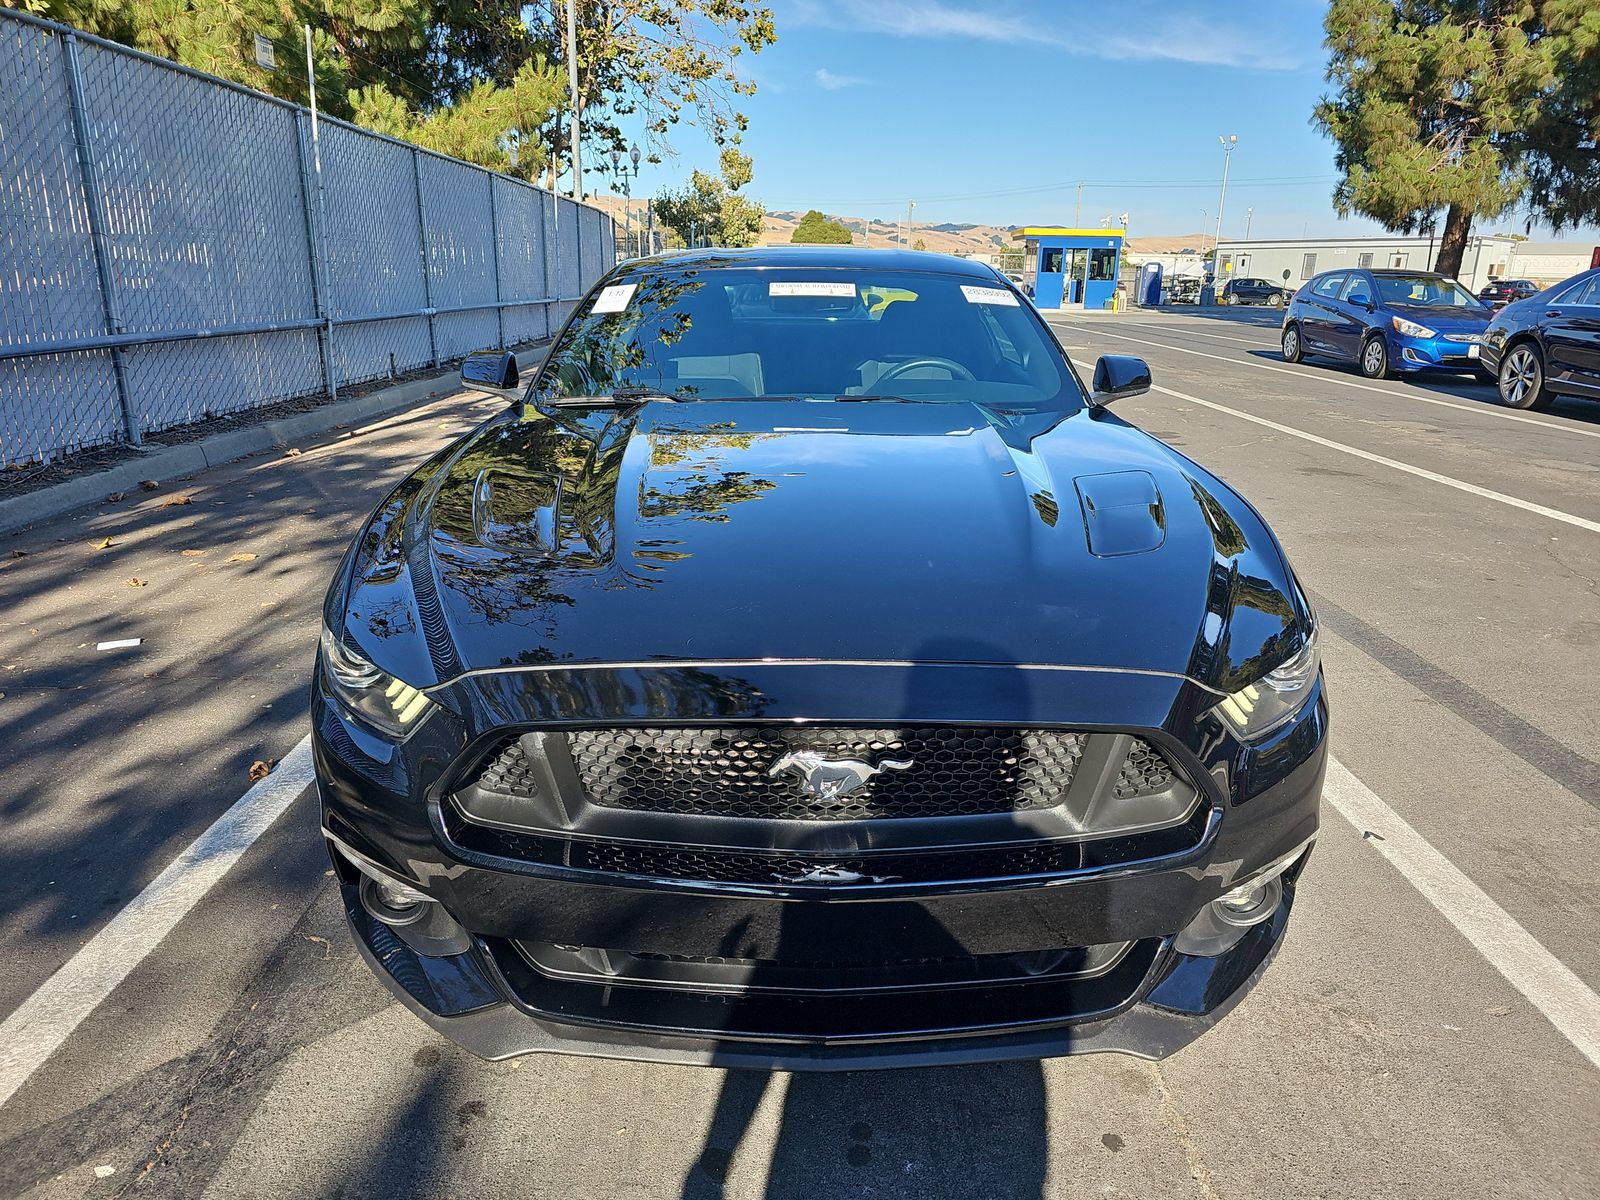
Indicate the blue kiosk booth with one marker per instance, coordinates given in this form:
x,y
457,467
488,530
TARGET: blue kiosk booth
x,y
1070,268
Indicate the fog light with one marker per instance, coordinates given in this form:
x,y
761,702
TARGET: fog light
x,y
1219,925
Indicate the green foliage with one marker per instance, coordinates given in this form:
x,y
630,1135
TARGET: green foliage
x,y
710,210
919,244
1429,93
1559,147
815,229
481,79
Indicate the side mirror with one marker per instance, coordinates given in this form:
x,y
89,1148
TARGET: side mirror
x,y
1119,375
491,370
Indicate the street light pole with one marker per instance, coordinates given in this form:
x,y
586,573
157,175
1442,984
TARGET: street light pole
x,y
572,79
1249,218
911,207
1228,143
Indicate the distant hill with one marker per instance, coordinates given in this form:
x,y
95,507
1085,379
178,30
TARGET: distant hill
x,y
947,237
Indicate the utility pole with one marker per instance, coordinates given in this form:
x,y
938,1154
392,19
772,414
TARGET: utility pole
x,y
572,79
1249,217
911,207
1077,216
1228,143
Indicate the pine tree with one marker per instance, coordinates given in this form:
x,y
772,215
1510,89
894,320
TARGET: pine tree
x,y
1432,95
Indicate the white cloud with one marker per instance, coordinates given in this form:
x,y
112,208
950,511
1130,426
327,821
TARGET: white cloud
x,y
1151,30
830,82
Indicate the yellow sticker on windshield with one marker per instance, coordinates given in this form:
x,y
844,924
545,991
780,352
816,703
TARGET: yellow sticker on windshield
x,y
988,295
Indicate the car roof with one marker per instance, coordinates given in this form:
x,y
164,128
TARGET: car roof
x,y
1404,274
856,257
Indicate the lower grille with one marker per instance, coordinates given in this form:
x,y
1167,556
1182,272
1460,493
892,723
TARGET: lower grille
x,y
871,774
800,870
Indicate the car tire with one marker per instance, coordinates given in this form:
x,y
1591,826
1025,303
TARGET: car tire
x,y
1374,360
1521,381
1277,299
1293,349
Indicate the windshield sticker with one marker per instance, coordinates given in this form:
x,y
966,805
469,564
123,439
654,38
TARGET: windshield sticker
x,y
811,289
988,295
614,298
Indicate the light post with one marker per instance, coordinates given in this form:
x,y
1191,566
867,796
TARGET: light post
x,y
1228,144
627,177
1249,218
911,207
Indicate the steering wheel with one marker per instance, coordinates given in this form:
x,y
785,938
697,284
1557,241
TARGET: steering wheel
x,y
957,371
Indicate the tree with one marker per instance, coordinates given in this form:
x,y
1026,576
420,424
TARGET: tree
x,y
1562,146
919,244
710,210
815,229
661,62
1432,95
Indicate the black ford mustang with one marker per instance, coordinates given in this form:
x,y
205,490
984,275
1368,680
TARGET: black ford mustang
x,y
807,671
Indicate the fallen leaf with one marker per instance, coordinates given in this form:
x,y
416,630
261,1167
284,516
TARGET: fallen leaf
x,y
291,452
192,553
241,558
260,769
115,496
177,501
135,581
149,485
327,946
104,544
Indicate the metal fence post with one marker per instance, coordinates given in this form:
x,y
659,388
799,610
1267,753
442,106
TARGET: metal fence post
x,y
94,205
494,232
316,247
545,257
422,240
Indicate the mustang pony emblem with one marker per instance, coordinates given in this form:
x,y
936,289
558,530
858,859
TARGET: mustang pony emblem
x,y
832,778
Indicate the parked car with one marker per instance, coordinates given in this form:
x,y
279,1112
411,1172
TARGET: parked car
x,y
1386,322
1547,345
785,682
1507,291
1255,291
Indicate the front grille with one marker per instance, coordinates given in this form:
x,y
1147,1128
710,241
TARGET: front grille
x,y
1144,773
729,771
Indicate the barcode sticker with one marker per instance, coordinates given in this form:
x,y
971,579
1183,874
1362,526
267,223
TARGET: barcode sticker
x,y
615,298
988,295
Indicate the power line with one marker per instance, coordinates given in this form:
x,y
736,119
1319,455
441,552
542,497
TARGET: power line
x,y
1120,184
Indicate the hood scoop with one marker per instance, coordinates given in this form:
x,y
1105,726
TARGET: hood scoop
x,y
516,511
1122,513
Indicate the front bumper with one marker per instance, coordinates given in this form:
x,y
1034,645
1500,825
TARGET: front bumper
x,y
1433,354
498,998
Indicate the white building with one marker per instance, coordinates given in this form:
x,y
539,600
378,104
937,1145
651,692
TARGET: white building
x,y
1549,262
1292,261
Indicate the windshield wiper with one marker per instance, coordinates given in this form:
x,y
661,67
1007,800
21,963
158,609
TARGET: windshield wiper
x,y
885,399
626,397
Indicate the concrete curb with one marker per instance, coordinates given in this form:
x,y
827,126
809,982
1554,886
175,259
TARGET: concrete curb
x,y
176,462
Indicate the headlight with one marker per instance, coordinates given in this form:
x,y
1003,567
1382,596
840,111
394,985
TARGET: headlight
x,y
370,695
1272,700
1411,328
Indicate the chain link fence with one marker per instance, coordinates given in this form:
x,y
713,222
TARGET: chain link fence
x,y
174,247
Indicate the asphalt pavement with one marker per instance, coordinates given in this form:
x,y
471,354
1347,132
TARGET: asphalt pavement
x,y
1427,1030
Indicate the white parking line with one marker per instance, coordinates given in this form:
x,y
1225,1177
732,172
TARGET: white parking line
x,y
1329,377
1549,985
45,1019
1555,514
1187,330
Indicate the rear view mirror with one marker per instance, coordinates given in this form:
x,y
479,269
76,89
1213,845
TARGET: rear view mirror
x,y
492,370
1119,375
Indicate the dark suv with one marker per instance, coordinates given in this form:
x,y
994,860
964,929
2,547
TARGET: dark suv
x,y
1254,291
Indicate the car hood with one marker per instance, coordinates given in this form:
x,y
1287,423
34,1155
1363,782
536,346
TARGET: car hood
x,y
1443,319
860,532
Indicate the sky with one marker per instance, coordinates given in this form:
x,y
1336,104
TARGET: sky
x,y
991,111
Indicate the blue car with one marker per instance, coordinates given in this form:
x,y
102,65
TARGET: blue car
x,y
1386,322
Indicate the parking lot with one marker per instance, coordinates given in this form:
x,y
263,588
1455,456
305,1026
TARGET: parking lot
x,y
1429,1029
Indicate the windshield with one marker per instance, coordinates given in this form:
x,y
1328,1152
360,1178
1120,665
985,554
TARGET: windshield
x,y
1425,291
720,332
